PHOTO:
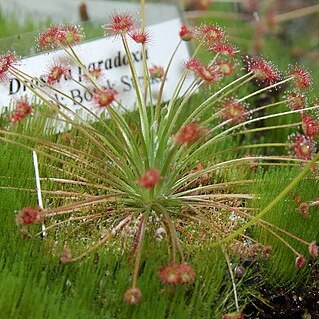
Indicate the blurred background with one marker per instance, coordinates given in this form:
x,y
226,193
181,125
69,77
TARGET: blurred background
x,y
293,23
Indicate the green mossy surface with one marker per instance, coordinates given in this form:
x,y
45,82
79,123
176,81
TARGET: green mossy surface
x,y
33,284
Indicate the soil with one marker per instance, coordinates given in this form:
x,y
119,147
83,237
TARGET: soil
x,y
288,304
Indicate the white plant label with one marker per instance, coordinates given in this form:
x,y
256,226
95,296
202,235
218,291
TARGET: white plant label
x,y
107,54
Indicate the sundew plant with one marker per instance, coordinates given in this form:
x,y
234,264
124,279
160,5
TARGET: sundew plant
x,y
175,172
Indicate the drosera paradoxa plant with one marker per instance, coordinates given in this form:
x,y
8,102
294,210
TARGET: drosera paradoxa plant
x,y
173,170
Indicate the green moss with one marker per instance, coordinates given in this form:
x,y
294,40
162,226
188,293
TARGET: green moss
x,y
281,267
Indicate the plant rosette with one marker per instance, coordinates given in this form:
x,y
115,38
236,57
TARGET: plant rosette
x,y
166,171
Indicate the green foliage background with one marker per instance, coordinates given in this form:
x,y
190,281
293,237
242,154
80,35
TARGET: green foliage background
x,y
33,284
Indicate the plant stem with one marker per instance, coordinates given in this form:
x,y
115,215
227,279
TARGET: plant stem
x,y
232,277
160,94
269,87
139,249
291,15
273,203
